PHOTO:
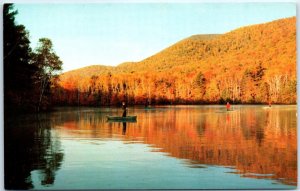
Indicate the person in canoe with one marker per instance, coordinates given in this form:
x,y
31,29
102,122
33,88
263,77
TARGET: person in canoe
x,y
228,106
124,108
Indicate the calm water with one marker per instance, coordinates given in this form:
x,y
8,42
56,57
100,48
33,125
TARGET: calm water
x,y
176,147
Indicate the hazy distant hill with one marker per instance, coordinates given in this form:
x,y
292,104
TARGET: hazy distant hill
x,y
88,71
251,64
172,56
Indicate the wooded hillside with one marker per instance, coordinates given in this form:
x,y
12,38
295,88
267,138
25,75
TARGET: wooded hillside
x,y
253,64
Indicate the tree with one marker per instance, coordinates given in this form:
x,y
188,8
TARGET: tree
x,y
200,85
48,64
18,72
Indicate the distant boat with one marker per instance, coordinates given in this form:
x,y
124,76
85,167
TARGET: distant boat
x,y
118,118
226,111
267,107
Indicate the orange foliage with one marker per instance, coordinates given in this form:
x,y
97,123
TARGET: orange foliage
x,y
253,64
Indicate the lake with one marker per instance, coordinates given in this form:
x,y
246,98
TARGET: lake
x,y
174,147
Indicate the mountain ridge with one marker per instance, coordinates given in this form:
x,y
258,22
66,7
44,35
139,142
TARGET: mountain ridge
x,y
251,64
124,64
200,37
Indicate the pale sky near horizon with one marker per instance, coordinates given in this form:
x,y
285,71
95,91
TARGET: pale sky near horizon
x,y
113,33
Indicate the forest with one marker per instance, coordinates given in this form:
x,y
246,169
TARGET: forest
x,y
250,65
28,74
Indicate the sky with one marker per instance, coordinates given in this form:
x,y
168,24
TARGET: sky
x,y
113,33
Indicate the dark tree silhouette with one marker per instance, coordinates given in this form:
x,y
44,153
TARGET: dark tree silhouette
x,y
18,70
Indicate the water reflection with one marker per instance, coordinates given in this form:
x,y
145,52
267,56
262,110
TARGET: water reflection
x,y
256,142
30,145
124,128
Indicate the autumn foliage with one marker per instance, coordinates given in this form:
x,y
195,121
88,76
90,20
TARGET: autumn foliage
x,y
253,64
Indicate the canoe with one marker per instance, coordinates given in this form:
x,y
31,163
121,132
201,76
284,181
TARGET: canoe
x,y
118,118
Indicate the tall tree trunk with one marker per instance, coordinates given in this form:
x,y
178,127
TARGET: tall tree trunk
x,y
42,92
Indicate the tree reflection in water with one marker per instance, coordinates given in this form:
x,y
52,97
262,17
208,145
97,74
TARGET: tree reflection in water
x,y
255,142
258,143
30,145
